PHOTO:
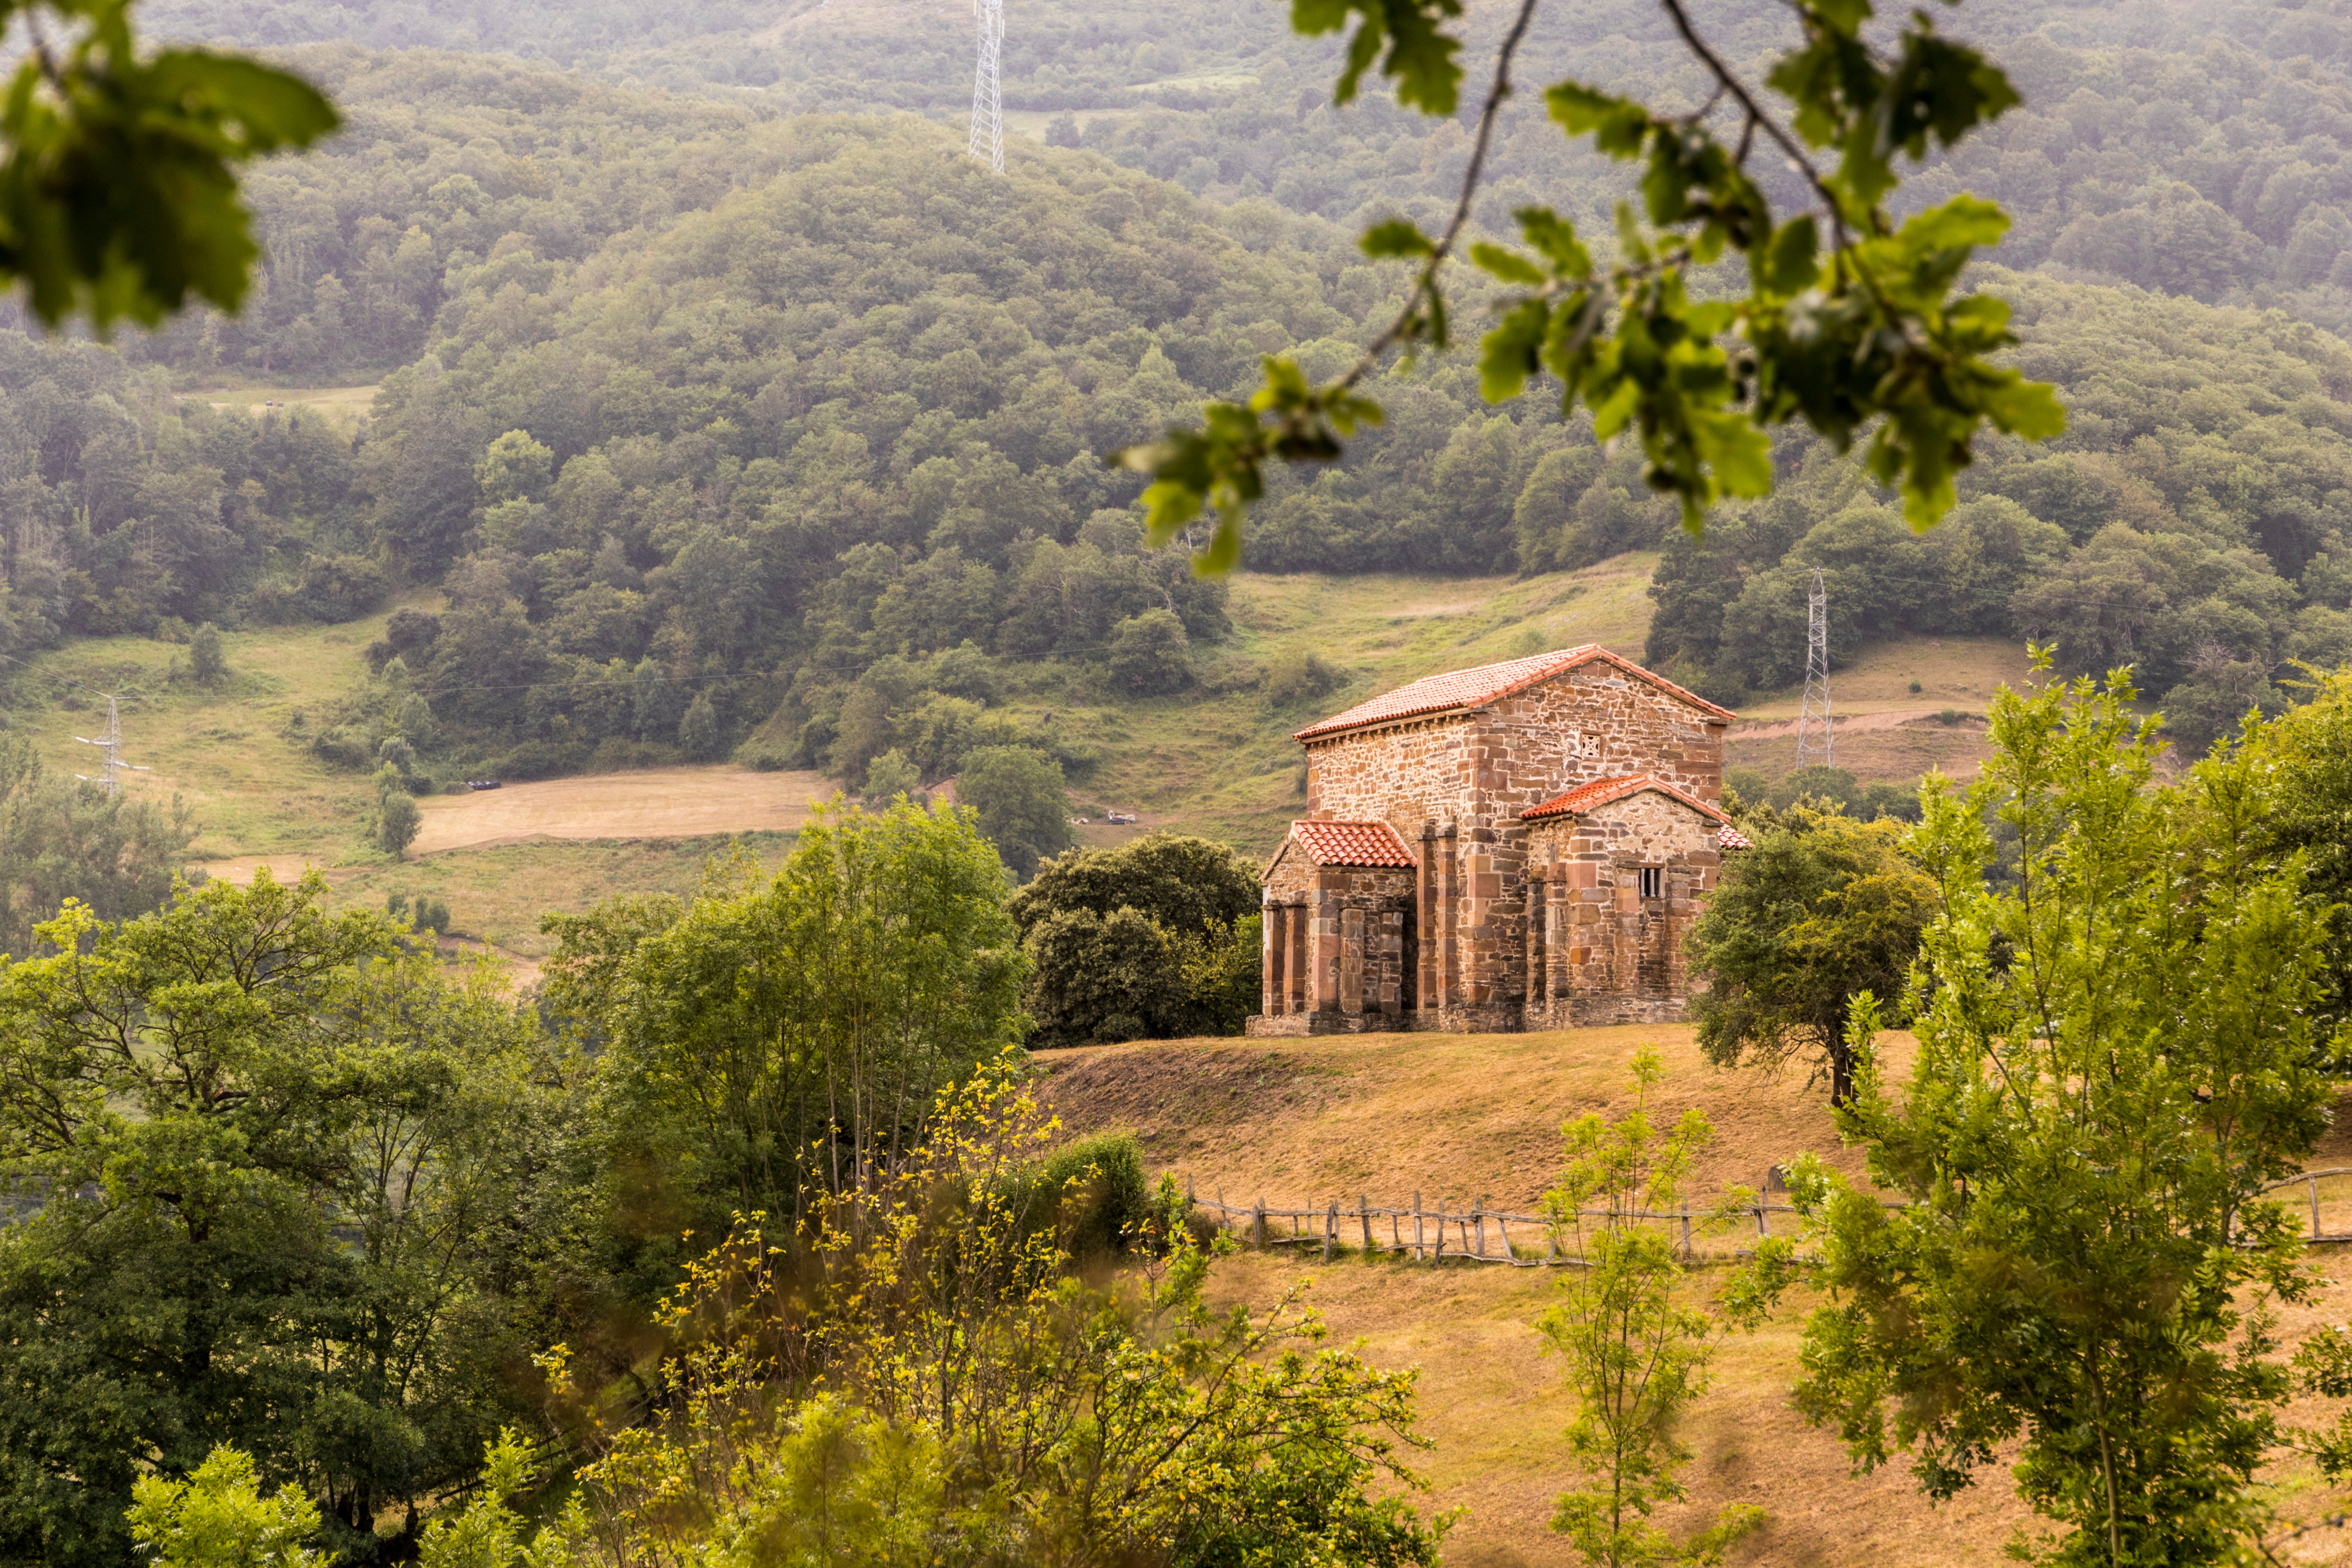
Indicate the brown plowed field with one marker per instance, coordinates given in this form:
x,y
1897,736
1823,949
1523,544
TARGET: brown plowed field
x,y
660,802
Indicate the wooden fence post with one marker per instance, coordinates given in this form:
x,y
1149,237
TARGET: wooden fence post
x,y
2315,1208
1687,1236
1330,1228
1258,1224
1417,1254
1763,1226
1440,1230
1503,1227
1364,1210
1481,1253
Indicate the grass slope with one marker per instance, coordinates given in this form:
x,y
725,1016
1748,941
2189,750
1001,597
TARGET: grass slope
x,y
1301,1121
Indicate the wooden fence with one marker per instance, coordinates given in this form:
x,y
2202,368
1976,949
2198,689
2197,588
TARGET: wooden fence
x,y
1435,1234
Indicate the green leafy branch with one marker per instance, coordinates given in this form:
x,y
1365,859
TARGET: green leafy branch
x,y
117,195
1858,333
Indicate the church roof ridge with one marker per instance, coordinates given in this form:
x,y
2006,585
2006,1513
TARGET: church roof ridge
x,y
1474,688
1597,793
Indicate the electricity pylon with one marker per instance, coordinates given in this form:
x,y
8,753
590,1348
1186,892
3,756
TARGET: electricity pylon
x,y
987,104
112,767
1815,711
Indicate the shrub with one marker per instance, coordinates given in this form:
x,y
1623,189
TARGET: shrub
x,y
206,660
1150,655
338,587
1296,675
1111,1200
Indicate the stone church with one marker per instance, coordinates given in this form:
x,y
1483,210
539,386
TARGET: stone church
x,y
1522,845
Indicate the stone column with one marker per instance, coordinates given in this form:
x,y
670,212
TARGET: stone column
x,y
1449,915
1556,916
1424,921
1352,960
1299,955
1275,951
1532,1000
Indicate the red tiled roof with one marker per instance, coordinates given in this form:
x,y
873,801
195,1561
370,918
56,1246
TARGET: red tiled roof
x,y
1352,844
1584,797
1730,837
1488,683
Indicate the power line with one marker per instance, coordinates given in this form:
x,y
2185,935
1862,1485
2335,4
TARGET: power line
x,y
1815,709
987,143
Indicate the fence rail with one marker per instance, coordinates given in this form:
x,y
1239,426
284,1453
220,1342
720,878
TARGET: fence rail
x,y
1437,1234
1428,1233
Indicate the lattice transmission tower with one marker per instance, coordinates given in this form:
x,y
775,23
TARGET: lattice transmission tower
x,y
1815,711
110,766
987,103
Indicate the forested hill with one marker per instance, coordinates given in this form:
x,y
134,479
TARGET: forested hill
x,y
727,430
2194,147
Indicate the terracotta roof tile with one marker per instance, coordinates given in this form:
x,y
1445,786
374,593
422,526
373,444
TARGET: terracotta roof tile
x,y
1584,797
1487,683
1730,837
1352,844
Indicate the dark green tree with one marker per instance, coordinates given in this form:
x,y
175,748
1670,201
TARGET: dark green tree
x,y
1149,654
1823,908
266,1154
699,734
1018,795
1153,939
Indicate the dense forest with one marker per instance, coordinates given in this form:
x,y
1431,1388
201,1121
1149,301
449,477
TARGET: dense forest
x,y
699,408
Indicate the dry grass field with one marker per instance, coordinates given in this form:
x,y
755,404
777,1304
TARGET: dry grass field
x,y
657,803
1300,1121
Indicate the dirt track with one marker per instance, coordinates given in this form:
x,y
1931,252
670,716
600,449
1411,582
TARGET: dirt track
x,y
660,802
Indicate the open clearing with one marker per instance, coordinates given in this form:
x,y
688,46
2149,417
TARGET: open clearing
x,y
1300,1121
659,803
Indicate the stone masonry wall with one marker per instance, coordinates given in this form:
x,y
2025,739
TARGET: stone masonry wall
x,y
1462,779
1338,948
1601,952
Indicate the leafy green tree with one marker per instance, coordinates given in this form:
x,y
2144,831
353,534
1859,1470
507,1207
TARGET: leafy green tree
x,y
1018,793
515,467
1150,655
207,662
398,818
2118,1049
1155,939
768,1043
698,735
2310,811
273,1152
937,1320
890,775
1635,1357
1823,908
118,195
217,1518
1848,322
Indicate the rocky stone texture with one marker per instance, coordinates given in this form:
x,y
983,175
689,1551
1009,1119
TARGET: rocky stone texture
x,y
1504,924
